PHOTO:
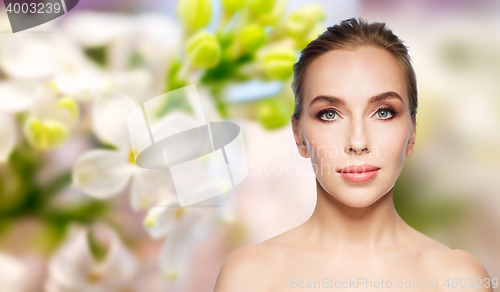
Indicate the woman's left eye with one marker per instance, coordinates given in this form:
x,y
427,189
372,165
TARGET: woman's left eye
x,y
384,113
329,115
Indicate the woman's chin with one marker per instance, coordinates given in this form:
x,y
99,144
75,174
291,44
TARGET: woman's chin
x,y
360,197
358,201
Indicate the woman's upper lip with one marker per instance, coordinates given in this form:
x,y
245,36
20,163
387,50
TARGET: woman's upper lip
x,y
358,168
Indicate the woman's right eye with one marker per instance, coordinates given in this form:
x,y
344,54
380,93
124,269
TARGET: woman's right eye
x,y
328,115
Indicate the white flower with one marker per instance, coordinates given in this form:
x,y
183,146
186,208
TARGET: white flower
x,y
156,39
13,274
159,34
182,227
42,57
75,74
17,96
137,50
104,173
137,83
73,267
94,29
81,80
28,57
50,120
152,37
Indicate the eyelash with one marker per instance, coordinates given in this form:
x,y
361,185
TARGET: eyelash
x,y
389,109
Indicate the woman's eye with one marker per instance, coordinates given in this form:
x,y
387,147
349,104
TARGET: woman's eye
x,y
384,113
330,115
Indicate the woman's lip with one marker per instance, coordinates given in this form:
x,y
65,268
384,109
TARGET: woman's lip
x,y
359,173
359,177
358,169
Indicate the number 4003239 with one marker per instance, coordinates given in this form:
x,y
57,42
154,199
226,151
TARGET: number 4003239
x,y
25,14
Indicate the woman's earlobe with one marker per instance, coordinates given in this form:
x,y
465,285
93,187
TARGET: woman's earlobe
x,y
301,146
411,144
409,149
299,139
303,150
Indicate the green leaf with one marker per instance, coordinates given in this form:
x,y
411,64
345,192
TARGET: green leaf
x,y
173,82
97,54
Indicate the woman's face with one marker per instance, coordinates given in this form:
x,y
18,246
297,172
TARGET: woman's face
x,y
355,111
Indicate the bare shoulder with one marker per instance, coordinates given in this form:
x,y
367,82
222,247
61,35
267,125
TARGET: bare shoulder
x,y
440,261
249,268
256,267
462,263
456,262
458,267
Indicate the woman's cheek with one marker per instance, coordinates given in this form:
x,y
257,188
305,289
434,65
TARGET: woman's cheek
x,y
395,146
324,148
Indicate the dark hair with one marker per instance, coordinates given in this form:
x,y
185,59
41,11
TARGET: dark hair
x,y
351,34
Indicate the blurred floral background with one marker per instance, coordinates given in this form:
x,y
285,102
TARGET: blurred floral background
x,y
77,214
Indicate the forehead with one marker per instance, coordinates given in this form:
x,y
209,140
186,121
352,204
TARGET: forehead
x,y
354,75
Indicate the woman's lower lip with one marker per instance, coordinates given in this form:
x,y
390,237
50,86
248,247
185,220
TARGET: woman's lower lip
x,y
359,177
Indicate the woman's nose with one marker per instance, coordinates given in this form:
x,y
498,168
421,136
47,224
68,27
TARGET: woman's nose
x,y
357,141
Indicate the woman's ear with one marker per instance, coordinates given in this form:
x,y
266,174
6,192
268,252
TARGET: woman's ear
x,y
411,141
299,138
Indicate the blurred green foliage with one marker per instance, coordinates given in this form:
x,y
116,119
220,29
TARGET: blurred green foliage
x,y
23,196
97,54
424,214
251,40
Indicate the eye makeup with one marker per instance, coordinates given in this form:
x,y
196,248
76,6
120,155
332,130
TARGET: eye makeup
x,y
387,108
320,114
333,113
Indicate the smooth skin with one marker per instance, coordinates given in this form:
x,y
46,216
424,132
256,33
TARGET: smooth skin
x,y
354,231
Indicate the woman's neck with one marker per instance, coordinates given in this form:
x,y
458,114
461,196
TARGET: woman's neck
x,y
335,224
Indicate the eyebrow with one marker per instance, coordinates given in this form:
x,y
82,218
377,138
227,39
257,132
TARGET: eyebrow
x,y
339,101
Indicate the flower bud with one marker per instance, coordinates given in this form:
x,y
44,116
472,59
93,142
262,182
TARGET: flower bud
x,y
231,6
300,22
71,106
272,113
278,62
252,37
203,50
258,7
273,16
194,14
45,135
